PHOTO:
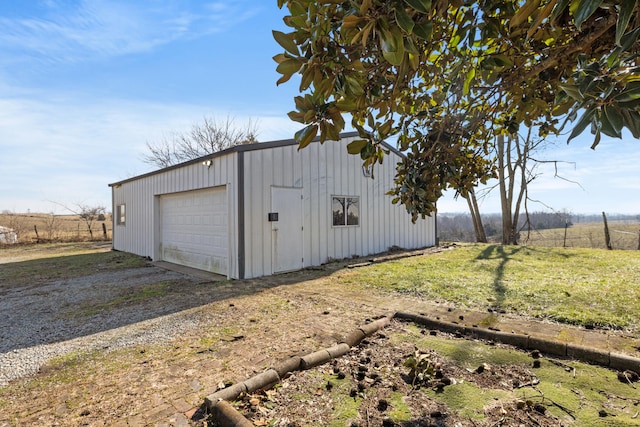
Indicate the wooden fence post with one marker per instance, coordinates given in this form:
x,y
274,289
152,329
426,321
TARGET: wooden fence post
x,y
607,237
104,231
35,228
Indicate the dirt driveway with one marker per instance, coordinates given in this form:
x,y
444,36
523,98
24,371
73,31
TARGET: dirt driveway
x,y
144,345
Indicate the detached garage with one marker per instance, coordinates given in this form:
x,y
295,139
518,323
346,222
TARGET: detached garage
x,y
194,228
260,209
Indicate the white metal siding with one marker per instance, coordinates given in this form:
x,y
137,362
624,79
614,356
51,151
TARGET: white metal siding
x,y
322,171
141,233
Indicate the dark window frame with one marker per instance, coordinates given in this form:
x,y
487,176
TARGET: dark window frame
x,y
348,214
121,214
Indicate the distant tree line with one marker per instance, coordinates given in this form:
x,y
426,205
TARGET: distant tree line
x,y
459,227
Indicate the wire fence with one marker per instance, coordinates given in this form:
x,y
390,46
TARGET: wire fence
x,y
41,228
585,237
624,235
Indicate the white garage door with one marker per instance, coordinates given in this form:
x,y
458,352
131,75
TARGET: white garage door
x,y
194,229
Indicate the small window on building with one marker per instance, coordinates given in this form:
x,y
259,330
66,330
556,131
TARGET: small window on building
x,y
345,210
120,215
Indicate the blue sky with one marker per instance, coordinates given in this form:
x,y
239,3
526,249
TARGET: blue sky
x,y
84,84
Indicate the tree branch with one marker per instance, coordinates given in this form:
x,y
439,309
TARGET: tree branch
x,y
577,44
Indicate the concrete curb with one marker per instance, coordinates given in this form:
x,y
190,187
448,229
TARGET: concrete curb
x,y
594,356
227,416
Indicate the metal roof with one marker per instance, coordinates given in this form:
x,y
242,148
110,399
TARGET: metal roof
x,y
241,148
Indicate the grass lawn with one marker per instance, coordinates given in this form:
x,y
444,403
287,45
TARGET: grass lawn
x,y
589,287
29,264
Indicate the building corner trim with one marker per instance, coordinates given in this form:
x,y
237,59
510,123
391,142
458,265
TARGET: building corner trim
x,y
241,217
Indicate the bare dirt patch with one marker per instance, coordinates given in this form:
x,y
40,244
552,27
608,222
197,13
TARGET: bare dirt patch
x,y
165,340
405,376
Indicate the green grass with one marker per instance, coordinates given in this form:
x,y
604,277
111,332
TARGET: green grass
x,y
136,296
60,261
576,286
575,395
401,411
584,391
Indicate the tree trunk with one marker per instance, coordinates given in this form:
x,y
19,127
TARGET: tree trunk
x,y
607,237
478,227
505,196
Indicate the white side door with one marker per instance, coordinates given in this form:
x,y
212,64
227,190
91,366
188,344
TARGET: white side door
x,y
287,229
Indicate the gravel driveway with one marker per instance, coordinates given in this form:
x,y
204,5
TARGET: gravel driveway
x,y
105,310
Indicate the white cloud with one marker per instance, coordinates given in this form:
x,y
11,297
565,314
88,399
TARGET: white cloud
x,y
96,29
67,149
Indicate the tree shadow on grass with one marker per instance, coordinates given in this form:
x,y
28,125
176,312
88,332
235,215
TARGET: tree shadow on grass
x,y
504,254
498,252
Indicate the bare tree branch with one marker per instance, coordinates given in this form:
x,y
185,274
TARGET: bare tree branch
x,y
204,138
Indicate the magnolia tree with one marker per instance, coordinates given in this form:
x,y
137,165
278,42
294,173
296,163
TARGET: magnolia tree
x,y
446,78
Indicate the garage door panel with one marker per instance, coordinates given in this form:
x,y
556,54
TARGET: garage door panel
x,y
194,229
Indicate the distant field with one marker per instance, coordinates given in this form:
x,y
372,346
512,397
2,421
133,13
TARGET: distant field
x,y
624,235
55,228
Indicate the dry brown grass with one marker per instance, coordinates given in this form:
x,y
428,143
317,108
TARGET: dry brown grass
x,y
624,235
55,228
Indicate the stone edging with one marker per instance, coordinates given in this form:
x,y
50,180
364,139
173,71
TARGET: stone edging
x,y
227,416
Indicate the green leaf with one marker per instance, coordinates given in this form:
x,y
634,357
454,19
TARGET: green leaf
x,y
288,67
573,91
632,122
333,133
392,46
560,7
307,79
355,147
629,39
503,61
296,116
306,135
346,104
584,121
629,105
523,13
630,92
385,128
596,140
297,8
283,79
420,5
286,41
626,10
403,19
611,122
561,109
467,81
424,30
353,86
584,10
